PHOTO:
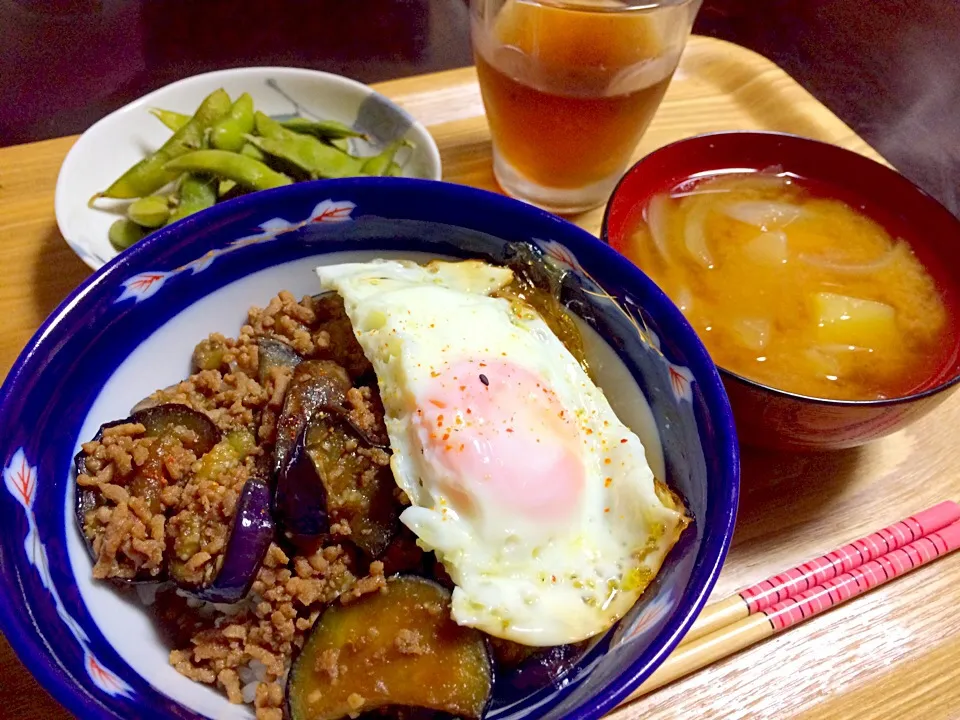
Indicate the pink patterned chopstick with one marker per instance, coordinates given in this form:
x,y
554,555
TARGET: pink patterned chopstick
x,y
865,577
694,655
779,588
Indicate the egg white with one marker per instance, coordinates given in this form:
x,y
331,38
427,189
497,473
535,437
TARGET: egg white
x,y
537,581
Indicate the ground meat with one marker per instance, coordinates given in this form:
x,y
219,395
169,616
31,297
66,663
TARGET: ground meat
x,y
180,521
232,400
374,582
287,319
409,642
334,338
276,385
226,355
131,475
285,602
200,530
366,414
326,663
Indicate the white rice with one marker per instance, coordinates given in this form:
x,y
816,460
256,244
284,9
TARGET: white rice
x,y
251,675
147,592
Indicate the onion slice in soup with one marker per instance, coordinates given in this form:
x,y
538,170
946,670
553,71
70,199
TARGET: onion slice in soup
x,y
769,248
764,214
656,215
694,236
863,268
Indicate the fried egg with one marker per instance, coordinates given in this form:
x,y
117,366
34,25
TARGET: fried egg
x,y
538,501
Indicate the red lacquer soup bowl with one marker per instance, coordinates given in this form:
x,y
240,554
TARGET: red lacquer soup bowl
x,y
767,416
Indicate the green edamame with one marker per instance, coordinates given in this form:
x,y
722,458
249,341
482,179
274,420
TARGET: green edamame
x,y
124,233
226,149
152,211
251,150
321,129
197,192
245,171
380,164
151,173
170,118
267,127
309,154
228,133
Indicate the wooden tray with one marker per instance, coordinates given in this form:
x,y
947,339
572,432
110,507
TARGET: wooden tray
x,y
894,652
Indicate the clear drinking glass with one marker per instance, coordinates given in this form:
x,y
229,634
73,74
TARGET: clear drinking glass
x,y
570,86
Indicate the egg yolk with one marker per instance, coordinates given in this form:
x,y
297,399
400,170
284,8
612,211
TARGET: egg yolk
x,y
500,433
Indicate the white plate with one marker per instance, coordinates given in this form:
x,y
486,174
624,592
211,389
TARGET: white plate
x,y
125,136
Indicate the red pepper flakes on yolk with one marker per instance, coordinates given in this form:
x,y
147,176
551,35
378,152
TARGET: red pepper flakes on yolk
x,y
501,409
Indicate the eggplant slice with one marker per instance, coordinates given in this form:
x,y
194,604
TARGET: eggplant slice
x,y
272,354
328,469
342,346
397,648
250,538
301,498
161,421
544,666
332,478
316,384
359,484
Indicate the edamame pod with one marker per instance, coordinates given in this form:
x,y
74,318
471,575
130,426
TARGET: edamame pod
x,y
310,155
151,173
170,118
380,164
225,187
152,211
267,127
124,233
228,133
322,129
251,150
197,192
243,170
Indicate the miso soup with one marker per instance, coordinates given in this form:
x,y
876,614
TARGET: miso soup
x,y
793,288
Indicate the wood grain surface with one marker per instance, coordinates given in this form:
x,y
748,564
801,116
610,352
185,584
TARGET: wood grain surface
x,y
893,653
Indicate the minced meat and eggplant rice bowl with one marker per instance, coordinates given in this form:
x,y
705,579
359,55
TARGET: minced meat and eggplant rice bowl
x,y
302,521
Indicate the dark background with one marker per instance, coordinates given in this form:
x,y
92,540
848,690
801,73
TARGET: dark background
x,y
889,68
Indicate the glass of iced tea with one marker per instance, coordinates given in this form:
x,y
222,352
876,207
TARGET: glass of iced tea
x,y
570,86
